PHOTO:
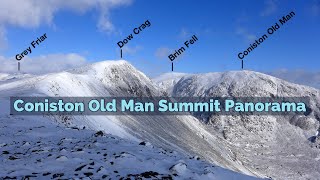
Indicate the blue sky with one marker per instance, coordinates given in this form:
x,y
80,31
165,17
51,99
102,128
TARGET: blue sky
x,y
223,28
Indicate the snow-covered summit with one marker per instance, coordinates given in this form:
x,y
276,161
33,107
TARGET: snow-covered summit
x,y
241,83
245,79
106,78
259,139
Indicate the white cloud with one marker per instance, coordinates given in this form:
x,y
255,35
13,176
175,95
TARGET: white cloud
x,y
184,33
270,8
42,64
33,13
131,50
3,39
246,34
315,8
242,20
241,30
162,52
105,25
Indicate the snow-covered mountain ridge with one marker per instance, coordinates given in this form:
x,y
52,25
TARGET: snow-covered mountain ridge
x,y
251,145
260,138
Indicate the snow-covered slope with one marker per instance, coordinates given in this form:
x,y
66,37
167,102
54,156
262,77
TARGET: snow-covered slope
x,y
119,78
38,149
116,78
250,145
276,146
